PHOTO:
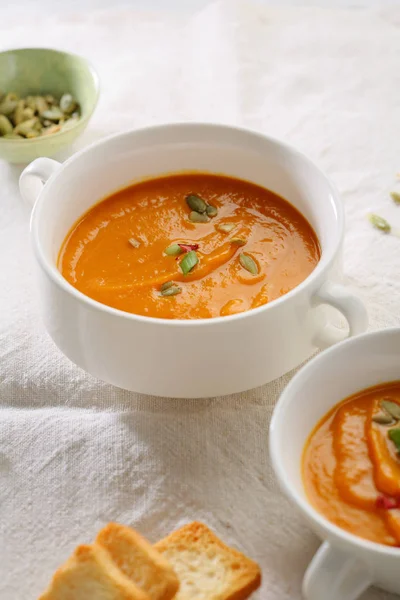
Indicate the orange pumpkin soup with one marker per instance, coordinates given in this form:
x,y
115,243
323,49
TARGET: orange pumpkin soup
x,y
351,464
189,246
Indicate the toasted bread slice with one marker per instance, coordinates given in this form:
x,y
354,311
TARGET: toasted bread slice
x,y
207,569
138,560
91,574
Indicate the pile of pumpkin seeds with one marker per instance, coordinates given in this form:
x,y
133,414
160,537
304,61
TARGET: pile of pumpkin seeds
x,y
34,116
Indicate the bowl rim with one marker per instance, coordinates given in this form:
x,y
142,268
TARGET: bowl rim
x,y
83,119
304,374
326,261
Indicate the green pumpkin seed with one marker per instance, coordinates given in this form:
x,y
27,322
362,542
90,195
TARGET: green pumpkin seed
x,y
238,241
196,203
173,250
171,291
67,103
12,136
7,107
53,114
9,104
394,435
166,286
38,125
30,102
212,211
134,243
26,126
188,262
41,105
395,197
382,419
27,113
225,227
18,115
379,223
248,263
392,408
5,125
196,217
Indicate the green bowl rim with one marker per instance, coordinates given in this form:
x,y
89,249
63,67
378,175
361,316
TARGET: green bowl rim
x,y
83,119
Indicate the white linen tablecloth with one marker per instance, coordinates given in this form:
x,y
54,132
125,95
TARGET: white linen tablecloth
x,y
76,453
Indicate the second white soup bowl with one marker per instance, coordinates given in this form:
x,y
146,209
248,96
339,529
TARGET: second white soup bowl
x,y
345,565
187,358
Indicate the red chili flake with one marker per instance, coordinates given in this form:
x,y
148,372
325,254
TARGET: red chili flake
x,y
386,503
188,247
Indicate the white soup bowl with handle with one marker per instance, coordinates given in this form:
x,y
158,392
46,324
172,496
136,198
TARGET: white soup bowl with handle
x,y
345,565
187,358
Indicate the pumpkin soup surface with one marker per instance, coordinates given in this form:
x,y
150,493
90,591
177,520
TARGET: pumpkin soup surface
x,y
351,465
189,246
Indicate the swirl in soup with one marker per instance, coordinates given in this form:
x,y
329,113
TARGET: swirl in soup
x,y
351,465
189,246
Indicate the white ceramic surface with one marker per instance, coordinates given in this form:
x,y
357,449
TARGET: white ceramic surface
x,y
345,565
178,358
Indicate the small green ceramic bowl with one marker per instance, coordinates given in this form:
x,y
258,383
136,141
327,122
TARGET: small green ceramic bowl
x,y
38,71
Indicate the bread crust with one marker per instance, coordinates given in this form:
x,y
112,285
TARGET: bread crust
x,y
90,573
237,575
139,561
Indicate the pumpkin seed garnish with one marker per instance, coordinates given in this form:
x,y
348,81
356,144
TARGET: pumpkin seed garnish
x,y
196,217
395,197
171,291
134,243
173,250
212,211
196,203
238,241
248,263
225,227
166,286
394,435
383,419
392,408
379,223
188,262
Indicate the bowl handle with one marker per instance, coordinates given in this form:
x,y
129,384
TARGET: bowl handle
x,y
34,176
332,574
350,306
